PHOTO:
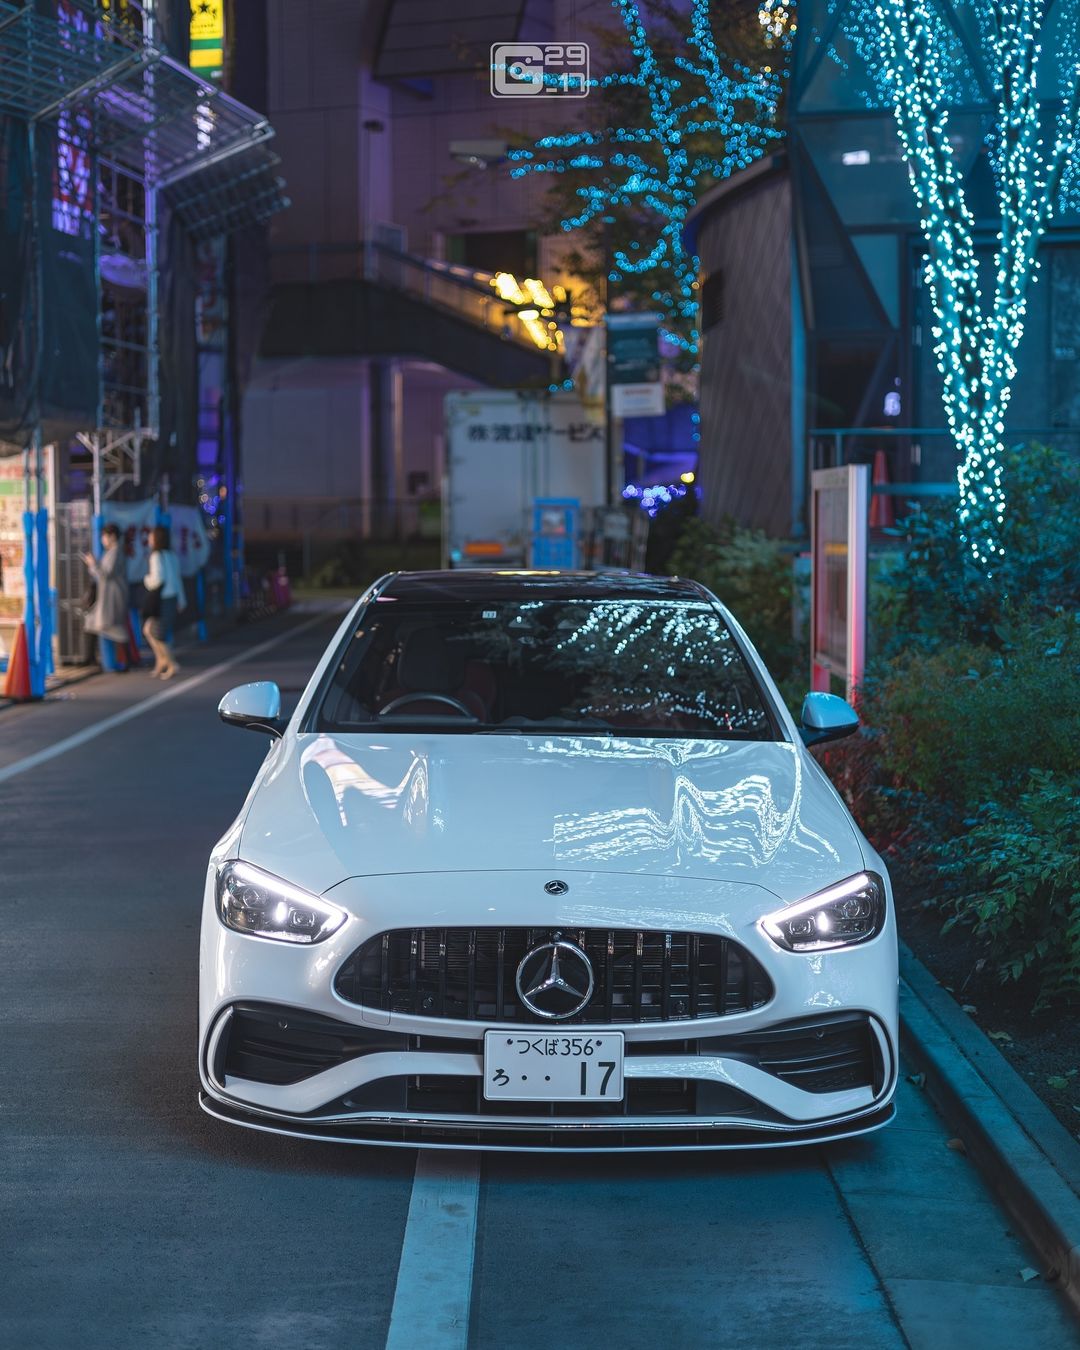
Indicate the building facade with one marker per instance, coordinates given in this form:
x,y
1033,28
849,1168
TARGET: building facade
x,y
860,365
380,304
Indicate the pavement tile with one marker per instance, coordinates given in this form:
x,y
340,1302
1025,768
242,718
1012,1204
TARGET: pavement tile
x,y
946,1238
989,1317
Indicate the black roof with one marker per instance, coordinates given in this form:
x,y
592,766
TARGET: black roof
x,y
482,584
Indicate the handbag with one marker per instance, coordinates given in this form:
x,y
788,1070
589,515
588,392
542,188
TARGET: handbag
x,y
151,604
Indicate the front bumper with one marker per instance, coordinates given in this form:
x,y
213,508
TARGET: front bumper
x,y
817,1062
275,1068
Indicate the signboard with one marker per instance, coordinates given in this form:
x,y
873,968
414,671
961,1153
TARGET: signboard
x,y
633,354
207,37
637,400
839,507
12,536
555,533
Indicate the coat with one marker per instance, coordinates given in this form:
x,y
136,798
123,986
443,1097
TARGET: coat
x,y
108,616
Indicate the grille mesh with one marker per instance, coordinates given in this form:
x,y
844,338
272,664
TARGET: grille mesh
x,y
469,974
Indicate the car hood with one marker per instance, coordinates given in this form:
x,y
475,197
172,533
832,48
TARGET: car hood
x,y
327,808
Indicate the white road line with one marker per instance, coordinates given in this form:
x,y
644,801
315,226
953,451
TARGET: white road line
x,y
170,691
434,1283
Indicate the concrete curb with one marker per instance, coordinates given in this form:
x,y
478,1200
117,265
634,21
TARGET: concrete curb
x,y
1027,1158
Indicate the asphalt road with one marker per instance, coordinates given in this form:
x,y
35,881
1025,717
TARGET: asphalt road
x,y
130,1219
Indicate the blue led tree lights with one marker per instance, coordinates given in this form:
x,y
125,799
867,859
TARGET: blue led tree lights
x,y
907,46
707,118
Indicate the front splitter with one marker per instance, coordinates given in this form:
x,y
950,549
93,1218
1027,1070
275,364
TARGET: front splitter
x,y
498,1137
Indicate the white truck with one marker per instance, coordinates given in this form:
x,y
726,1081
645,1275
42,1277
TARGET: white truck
x,y
505,449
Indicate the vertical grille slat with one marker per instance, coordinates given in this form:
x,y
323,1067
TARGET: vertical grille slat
x,y
639,943
609,978
442,973
469,974
500,970
695,962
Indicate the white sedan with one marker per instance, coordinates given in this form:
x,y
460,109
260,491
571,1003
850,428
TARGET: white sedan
x,y
541,860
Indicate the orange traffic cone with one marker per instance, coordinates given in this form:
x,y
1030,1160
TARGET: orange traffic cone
x,y
881,507
17,684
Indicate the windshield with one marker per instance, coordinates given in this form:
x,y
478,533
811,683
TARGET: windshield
x,y
640,667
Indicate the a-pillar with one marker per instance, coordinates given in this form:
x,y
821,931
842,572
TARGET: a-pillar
x,y
388,441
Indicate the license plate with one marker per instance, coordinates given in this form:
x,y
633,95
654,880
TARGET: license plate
x,y
543,1067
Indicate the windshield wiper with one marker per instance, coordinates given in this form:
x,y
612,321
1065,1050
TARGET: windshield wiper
x,y
553,725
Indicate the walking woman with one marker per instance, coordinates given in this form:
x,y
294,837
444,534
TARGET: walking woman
x,y
107,615
164,600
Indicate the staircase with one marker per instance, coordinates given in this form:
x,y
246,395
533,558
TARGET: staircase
x,y
371,299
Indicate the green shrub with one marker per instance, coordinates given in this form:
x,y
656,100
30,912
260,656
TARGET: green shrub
x,y
1017,868
966,723
752,574
967,764
934,594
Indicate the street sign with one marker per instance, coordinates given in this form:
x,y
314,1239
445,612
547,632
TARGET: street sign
x,y
637,400
555,533
633,354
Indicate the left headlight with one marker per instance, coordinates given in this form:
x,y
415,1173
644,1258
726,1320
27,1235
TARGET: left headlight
x,y
851,911
253,902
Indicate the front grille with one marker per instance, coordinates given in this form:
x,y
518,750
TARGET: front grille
x,y
443,1094
832,1052
470,974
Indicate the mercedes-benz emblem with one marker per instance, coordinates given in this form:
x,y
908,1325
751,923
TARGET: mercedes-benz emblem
x,y
555,980
556,887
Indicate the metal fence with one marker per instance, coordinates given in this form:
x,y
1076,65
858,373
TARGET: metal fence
x,y
73,538
311,532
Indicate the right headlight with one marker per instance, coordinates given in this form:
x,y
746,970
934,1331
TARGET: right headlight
x,y
850,912
252,901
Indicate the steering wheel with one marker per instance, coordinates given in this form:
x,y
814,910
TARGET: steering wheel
x,y
403,700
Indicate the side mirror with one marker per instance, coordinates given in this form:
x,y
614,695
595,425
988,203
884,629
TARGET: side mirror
x,y
827,718
254,706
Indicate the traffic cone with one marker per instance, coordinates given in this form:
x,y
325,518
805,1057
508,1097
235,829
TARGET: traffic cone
x,y
881,507
17,684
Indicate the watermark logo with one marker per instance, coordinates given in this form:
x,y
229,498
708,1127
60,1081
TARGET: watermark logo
x,y
529,70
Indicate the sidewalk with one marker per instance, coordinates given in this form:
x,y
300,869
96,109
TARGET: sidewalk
x,y
60,680
69,675
1026,1157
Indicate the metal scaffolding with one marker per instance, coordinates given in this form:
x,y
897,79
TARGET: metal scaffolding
x,y
157,135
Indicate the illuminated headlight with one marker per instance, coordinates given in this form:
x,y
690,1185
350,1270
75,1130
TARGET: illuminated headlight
x,y
850,912
253,902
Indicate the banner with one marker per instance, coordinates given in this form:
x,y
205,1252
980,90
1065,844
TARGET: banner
x,y
189,539
187,535
135,520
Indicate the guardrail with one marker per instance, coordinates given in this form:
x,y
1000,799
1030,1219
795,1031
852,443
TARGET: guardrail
x,y
920,461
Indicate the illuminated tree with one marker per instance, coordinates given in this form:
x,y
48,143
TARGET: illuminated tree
x,y
980,314
683,118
